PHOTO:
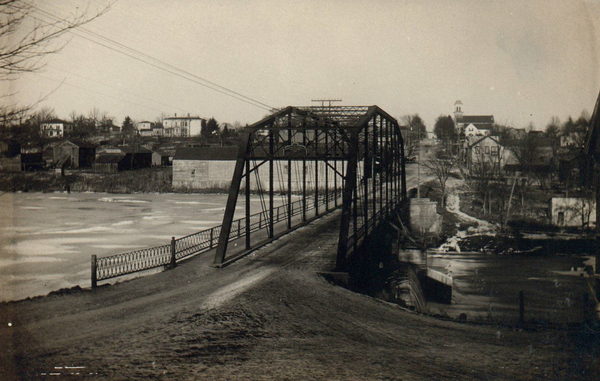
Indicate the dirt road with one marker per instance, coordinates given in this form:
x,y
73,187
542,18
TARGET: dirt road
x,y
268,316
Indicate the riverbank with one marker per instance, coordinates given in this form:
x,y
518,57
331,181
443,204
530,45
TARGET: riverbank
x,y
269,316
147,180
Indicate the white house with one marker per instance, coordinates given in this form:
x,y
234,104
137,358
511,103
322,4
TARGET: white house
x,y
182,126
573,211
487,151
157,130
474,130
55,128
144,128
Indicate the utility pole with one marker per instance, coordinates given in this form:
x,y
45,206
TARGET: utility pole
x,y
419,164
329,101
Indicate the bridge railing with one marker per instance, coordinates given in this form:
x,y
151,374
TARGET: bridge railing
x,y
167,255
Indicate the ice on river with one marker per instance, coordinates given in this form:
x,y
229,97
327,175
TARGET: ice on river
x,y
47,239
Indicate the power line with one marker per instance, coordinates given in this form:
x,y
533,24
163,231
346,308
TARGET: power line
x,y
157,63
97,92
61,71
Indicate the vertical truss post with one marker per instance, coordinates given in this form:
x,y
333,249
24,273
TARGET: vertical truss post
x,y
247,206
271,231
347,201
366,164
381,168
317,173
232,200
395,164
403,171
304,171
373,166
335,183
289,176
388,168
326,171
355,215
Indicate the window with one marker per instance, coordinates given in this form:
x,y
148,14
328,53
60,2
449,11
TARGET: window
x,y
561,218
487,150
477,150
495,151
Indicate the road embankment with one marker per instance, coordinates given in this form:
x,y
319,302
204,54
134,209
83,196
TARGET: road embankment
x,y
268,316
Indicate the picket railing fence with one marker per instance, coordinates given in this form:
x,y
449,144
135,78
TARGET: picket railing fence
x,y
167,256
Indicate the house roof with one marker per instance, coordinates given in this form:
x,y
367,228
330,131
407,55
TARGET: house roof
x,y
55,121
106,158
79,143
206,153
475,119
134,149
183,117
482,138
160,152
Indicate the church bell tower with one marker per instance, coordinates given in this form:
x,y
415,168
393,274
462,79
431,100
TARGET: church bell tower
x,y
458,113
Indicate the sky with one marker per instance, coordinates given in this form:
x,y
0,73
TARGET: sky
x,y
521,61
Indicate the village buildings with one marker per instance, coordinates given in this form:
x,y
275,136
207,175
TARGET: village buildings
x,y
471,125
203,167
211,167
73,154
144,128
183,126
485,150
55,128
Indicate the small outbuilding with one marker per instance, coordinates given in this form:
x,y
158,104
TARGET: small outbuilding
x,y
74,154
136,157
160,158
573,211
108,162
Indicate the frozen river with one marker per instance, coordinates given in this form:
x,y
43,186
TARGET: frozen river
x,y
46,239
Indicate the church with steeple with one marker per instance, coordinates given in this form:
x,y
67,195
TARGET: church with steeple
x,y
472,125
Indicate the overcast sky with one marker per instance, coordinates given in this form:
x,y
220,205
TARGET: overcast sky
x,y
521,61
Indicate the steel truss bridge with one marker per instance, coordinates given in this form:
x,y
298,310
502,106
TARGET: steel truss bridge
x,y
304,162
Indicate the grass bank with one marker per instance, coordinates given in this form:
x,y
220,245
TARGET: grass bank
x,y
147,180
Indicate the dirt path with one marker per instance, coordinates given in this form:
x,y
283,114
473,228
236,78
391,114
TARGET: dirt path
x,y
268,316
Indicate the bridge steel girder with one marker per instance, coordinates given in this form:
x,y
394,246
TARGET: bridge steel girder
x,y
322,137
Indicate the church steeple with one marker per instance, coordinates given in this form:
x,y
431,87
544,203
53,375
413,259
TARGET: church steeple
x,y
458,113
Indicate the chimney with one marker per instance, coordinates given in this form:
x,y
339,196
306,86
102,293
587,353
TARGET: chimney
x,y
188,114
175,115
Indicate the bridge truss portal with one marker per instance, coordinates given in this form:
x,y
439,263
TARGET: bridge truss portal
x,y
303,162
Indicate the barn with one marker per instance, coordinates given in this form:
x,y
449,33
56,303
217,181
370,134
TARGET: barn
x,y
204,168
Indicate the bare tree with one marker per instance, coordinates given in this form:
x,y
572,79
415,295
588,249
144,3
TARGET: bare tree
x,y
441,168
580,209
483,174
27,35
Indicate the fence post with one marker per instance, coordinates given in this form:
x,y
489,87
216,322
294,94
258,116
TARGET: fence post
x,y
94,276
173,259
211,238
521,308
